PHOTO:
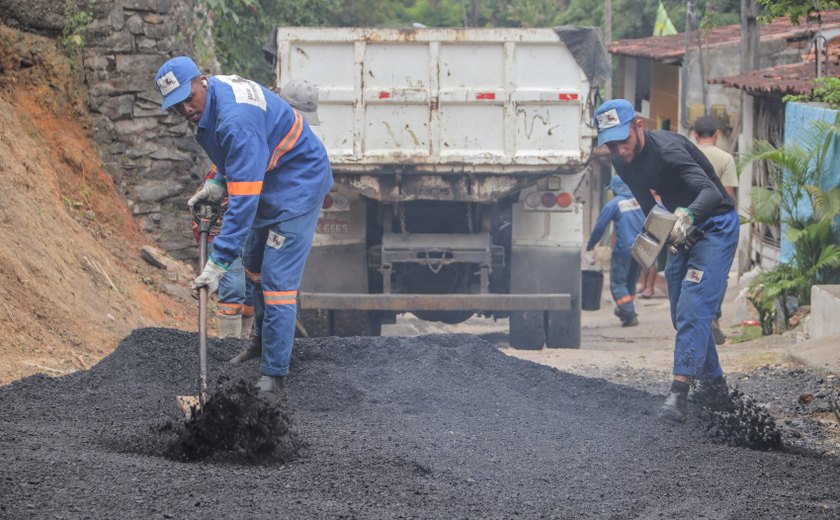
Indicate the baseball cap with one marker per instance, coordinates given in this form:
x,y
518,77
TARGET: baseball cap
x,y
303,96
173,80
705,126
612,120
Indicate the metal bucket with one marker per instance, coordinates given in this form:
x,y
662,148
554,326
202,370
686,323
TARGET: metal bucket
x,y
590,291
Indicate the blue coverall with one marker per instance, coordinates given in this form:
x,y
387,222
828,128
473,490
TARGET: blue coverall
x,y
624,271
682,176
277,173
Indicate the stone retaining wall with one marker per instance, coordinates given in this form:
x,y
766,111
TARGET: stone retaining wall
x,y
153,158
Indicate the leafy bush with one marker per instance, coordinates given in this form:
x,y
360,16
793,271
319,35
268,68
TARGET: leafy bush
x,y
826,90
808,212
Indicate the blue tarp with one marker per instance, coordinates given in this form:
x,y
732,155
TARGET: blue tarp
x,y
798,117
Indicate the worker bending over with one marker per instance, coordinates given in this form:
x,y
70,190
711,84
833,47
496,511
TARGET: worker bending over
x,y
705,236
275,173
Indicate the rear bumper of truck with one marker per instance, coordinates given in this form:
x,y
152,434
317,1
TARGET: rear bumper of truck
x,y
436,302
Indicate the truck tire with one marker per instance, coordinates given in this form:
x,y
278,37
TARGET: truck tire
x,y
562,329
527,330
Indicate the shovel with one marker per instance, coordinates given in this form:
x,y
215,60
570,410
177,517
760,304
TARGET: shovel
x,y
205,215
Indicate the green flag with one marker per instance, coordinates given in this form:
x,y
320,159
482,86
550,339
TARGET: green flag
x,y
663,26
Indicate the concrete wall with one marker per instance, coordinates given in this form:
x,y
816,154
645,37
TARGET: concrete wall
x,y
153,158
725,60
825,308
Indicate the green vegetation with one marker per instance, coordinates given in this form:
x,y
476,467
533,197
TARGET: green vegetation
x,y
239,28
798,10
796,202
826,90
77,19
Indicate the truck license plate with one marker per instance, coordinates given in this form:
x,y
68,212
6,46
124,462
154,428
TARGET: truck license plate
x,y
333,226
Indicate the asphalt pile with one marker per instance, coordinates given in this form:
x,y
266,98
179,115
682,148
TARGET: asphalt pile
x,y
744,423
423,427
235,425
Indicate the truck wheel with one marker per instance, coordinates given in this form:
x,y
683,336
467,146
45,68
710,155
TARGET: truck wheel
x,y
527,330
562,329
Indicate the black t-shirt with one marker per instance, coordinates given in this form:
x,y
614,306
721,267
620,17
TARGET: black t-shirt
x,y
680,174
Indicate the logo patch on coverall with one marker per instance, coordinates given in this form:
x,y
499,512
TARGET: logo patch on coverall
x,y
628,205
693,275
245,91
275,240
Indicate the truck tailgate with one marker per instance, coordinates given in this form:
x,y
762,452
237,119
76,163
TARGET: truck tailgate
x,y
442,100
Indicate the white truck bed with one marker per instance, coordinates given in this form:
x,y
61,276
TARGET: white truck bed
x,y
442,100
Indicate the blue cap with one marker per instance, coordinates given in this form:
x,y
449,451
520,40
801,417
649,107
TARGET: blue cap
x,y
612,120
173,80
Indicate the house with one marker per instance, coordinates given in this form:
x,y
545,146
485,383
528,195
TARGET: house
x,y
671,83
664,78
764,118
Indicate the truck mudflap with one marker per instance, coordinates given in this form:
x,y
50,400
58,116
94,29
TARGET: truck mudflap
x,y
436,302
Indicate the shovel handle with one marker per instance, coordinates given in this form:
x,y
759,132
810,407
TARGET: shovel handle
x,y
205,213
202,320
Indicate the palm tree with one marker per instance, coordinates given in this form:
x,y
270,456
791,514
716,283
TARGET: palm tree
x,y
796,203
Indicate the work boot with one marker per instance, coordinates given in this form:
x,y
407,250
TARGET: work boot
x,y
247,325
272,388
717,333
230,325
675,407
252,351
632,322
626,322
713,394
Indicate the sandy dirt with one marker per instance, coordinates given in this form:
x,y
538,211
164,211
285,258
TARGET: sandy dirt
x,y
72,281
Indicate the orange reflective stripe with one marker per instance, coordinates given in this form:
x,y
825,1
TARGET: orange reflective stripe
x,y
288,141
247,310
244,188
279,293
279,297
628,298
280,302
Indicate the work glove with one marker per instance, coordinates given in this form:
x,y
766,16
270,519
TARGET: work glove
x,y
210,276
682,227
589,258
211,191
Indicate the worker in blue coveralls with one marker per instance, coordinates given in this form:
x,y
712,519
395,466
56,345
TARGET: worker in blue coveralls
x,y
704,238
275,173
624,271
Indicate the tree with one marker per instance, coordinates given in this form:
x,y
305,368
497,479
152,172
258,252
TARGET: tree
x,y
240,28
797,10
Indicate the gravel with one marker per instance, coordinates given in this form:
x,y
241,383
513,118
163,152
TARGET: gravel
x,y
423,427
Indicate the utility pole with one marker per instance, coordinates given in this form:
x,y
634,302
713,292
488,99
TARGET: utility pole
x,y
607,40
749,36
749,61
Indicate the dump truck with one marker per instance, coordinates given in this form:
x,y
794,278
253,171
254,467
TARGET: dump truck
x,y
456,154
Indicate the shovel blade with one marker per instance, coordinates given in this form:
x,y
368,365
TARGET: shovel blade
x,y
190,405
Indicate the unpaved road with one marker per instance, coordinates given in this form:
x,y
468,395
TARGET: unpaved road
x,y
424,427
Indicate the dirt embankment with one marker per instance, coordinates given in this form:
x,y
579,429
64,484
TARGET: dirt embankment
x,y
72,280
